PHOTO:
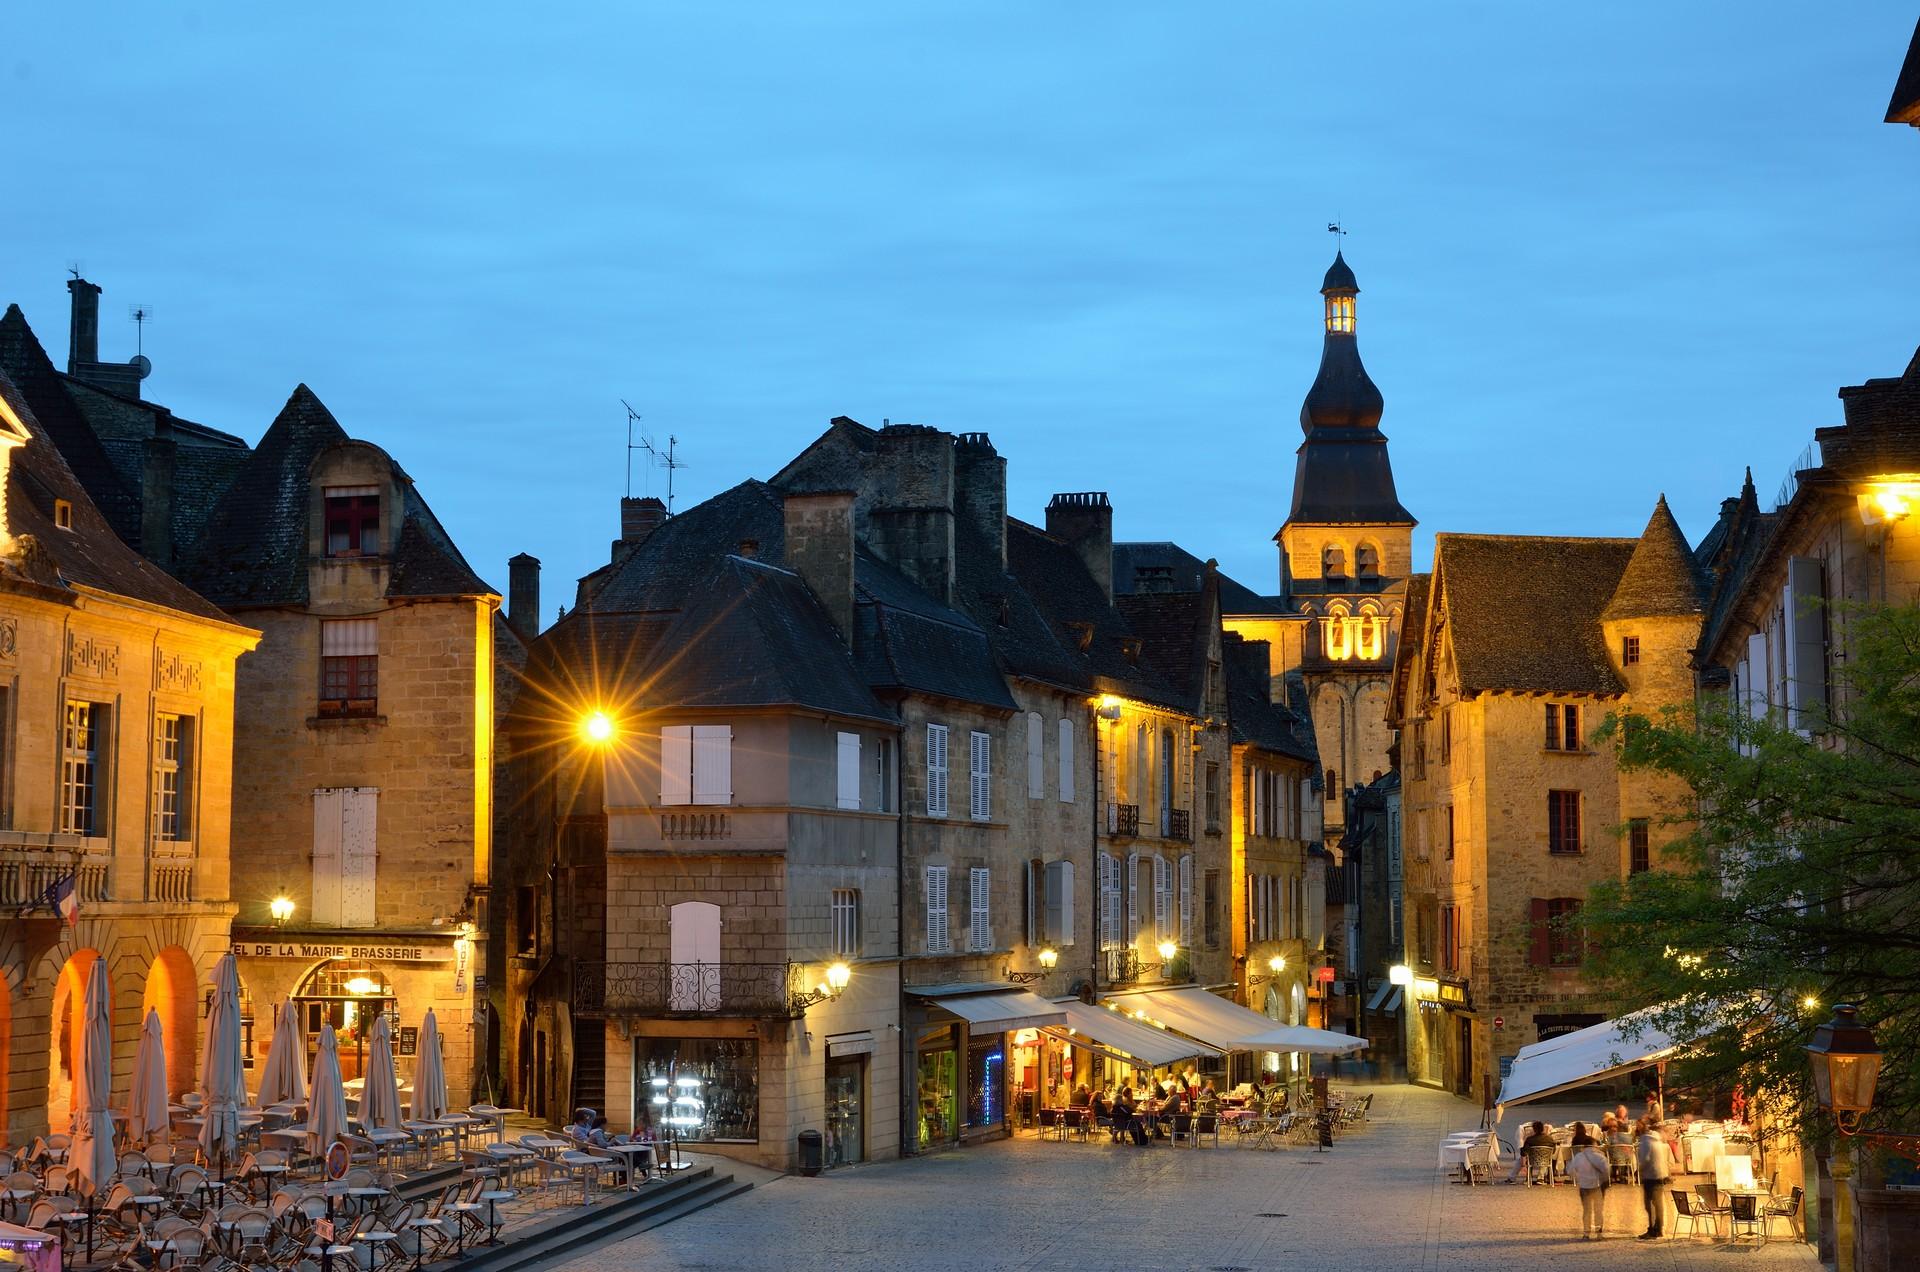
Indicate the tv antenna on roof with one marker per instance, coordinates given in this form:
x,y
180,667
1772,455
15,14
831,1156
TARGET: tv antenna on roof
x,y
662,458
139,361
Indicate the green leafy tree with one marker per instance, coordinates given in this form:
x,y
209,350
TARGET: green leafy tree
x,y
1795,884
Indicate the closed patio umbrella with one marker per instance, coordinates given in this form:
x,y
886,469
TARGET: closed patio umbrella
x,y
223,1087
380,1092
429,1074
326,1097
282,1081
147,1119
91,1154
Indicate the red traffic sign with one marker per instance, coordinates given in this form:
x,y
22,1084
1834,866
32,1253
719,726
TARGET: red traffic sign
x,y
339,1157
1499,1022
1324,975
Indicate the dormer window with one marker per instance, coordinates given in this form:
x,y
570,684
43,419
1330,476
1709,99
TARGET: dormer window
x,y
1333,562
353,521
63,513
1366,561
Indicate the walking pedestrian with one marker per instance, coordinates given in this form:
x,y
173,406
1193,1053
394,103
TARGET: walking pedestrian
x,y
1656,1165
1588,1166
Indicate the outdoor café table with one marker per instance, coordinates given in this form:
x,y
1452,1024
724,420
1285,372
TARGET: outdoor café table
x,y
546,1145
384,1142
498,1116
1454,1149
461,1126
630,1151
361,1198
491,1196
290,1139
511,1157
460,1229
430,1134
377,1241
418,1227
148,1201
15,1199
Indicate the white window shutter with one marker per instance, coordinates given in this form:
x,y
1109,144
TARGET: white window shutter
x,y
849,758
326,857
1066,762
938,940
980,777
1036,921
979,899
1253,908
1186,899
359,855
1059,924
1162,897
1133,896
676,764
1036,756
936,770
1109,900
1807,650
713,764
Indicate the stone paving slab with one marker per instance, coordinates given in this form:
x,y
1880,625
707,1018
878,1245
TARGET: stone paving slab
x,y
1375,1203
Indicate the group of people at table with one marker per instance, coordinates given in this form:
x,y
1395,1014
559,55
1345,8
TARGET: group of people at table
x,y
1136,1113
1649,1150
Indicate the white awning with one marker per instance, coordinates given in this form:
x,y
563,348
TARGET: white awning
x,y
1140,1043
1229,1026
1585,1056
859,1043
989,1009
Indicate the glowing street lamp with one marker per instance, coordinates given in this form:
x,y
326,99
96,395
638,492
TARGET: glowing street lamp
x,y
597,727
1400,974
1048,958
1846,1068
281,908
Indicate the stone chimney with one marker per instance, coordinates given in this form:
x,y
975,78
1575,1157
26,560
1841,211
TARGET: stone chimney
x,y
1084,519
156,492
819,533
980,490
83,336
638,519
523,595
910,524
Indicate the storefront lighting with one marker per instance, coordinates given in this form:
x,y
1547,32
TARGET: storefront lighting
x,y
362,985
835,980
1888,498
1167,950
1048,958
1107,707
1400,974
597,728
281,908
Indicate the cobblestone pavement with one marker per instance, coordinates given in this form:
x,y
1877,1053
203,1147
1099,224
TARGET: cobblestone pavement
x,y
1375,1203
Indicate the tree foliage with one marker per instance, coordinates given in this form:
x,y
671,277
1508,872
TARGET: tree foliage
x,y
1794,884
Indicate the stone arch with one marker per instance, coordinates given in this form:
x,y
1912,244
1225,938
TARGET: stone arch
x,y
1366,558
63,1034
172,989
1333,559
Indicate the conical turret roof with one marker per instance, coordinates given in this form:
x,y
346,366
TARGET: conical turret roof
x,y
1660,580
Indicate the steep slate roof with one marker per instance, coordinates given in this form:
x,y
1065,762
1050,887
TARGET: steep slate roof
x,y
907,640
1661,578
1256,721
1413,639
1904,106
90,554
254,550
1185,570
42,386
1524,610
1169,626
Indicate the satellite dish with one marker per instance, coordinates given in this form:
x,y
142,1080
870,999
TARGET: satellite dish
x,y
142,365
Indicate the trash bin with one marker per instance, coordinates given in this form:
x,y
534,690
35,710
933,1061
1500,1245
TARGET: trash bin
x,y
812,1153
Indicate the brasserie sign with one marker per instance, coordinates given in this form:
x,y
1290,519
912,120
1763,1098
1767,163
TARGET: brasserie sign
x,y
397,952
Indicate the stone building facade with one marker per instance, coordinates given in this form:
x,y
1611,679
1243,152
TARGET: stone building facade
x,y
1510,812
116,750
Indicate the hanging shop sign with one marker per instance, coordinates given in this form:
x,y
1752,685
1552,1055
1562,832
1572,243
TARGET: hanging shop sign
x,y
358,951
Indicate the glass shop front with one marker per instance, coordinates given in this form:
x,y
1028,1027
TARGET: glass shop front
x,y
698,1089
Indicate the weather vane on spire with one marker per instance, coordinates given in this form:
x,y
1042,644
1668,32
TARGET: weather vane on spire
x,y
1337,229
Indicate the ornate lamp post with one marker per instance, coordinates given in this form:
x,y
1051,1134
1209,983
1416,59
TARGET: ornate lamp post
x,y
1846,1067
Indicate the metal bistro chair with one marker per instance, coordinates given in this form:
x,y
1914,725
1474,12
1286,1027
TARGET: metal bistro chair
x,y
1621,1162
1049,1123
1479,1163
1687,1210
1206,1126
1743,1212
1788,1211
1540,1164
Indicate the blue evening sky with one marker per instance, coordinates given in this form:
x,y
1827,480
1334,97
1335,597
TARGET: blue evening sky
x,y
1605,250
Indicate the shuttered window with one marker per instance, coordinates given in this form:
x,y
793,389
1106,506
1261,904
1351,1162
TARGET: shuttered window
x,y
979,903
1807,648
939,940
936,770
345,855
696,764
1186,899
1036,756
848,751
1133,896
1060,911
980,776
1162,898
1110,937
1066,762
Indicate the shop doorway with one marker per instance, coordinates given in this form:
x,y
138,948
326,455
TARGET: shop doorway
x,y
987,1083
347,996
937,1092
846,1110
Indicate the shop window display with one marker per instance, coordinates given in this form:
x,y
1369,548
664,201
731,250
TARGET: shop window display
x,y
938,1096
711,1086
986,1084
846,1126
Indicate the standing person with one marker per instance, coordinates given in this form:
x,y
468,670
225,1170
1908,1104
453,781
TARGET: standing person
x,y
1656,1165
1588,1166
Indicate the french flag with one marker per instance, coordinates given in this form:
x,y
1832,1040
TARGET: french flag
x,y
62,898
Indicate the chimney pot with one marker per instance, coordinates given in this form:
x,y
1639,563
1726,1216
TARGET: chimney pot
x,y
638,519
1084,519
83,335
523,595
819,548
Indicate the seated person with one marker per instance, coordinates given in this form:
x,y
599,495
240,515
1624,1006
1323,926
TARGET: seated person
x,y
1582,1135
1081,1097
1536,1135
582,1125
1209,1101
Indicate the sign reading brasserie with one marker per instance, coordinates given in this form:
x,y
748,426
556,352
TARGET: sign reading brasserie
x,y
398,952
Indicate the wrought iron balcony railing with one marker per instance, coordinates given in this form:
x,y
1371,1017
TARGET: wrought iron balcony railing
x,y
1119,967
1178,824
685,989
1123,820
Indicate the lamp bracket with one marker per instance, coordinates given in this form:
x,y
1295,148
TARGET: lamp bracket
x,y
1023,978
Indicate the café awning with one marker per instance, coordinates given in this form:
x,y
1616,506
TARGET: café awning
x,y
1586,1056
1229,1026
1386,998
990,1008
1132,1041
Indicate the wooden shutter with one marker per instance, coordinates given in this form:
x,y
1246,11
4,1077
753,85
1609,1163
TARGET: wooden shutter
x,y
1186,899
1059,917
713,764
979,898
1066,762
849,760
980,776
1162,897
938,939
936,770
359,855
1133,896
1109,900
1036,756
676,764
326,857
1540,952
1806,615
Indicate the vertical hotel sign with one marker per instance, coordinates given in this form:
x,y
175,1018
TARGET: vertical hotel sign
x,y
462,950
